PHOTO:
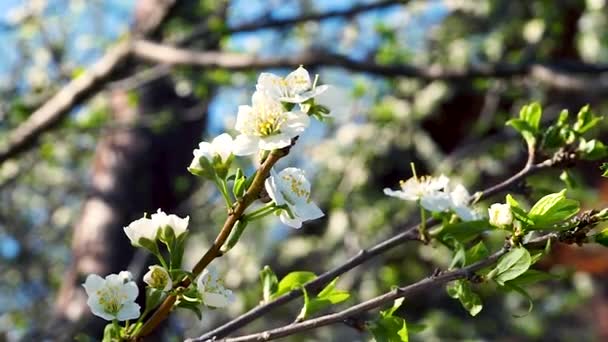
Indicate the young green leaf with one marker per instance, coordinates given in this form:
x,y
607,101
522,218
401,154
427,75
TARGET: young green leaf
x,y
464,231
328,296
585,120
269,283
292,281
518,212
511,265
390,328
528,123
604,168
461,290
592,149
551,209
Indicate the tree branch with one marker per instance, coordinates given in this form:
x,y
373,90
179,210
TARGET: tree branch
x,y
420,286
569,77
79,89
214,251
425,284
364,255
255,25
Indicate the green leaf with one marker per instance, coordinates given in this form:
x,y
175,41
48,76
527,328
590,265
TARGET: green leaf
x,y
476,253
531,114
328,296
530,277
389,328
235,235
293,281
269,283
585,120
592,149
604,168
551,209
518,212
602,237
154,297
464,231
396,305
528,122
238,187
192,306
461,290
511,265
111,333
567,178
524,129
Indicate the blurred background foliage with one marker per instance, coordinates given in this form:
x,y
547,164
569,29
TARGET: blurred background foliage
x,y
51,193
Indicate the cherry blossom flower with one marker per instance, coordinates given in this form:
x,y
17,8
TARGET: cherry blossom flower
x,y
157,277
212,290
500,215
266,125
428,190
291,188
296,87
113,297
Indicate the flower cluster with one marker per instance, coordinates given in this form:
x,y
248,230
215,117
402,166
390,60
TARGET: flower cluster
x,y
280,110
436,194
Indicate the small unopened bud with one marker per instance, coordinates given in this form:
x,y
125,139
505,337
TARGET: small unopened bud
x,y
500,215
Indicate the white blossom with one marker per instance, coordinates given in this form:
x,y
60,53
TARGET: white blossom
x,y
113,297
500,215
295,88
266,125
222,146
179,225
157,277
212,289
459,203
141,228
428,190
290,187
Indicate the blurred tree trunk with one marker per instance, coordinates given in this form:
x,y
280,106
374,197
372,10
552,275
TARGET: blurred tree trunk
x,y
139,165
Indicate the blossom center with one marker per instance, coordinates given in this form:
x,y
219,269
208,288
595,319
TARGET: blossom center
x,y
111,298
269,123
295,187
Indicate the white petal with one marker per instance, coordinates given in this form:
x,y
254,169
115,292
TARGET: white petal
x,y
435,202
129,310
93,283
439,183
274,142
292,222
126,276
243,118
298,80
465,213
298,175
245,145
223,145
98,310
272,189
309,211
400,194
130,290
215,300
295,124
460,196
272,84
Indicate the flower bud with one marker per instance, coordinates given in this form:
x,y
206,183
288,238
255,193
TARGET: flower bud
x,y
500,215
157,277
